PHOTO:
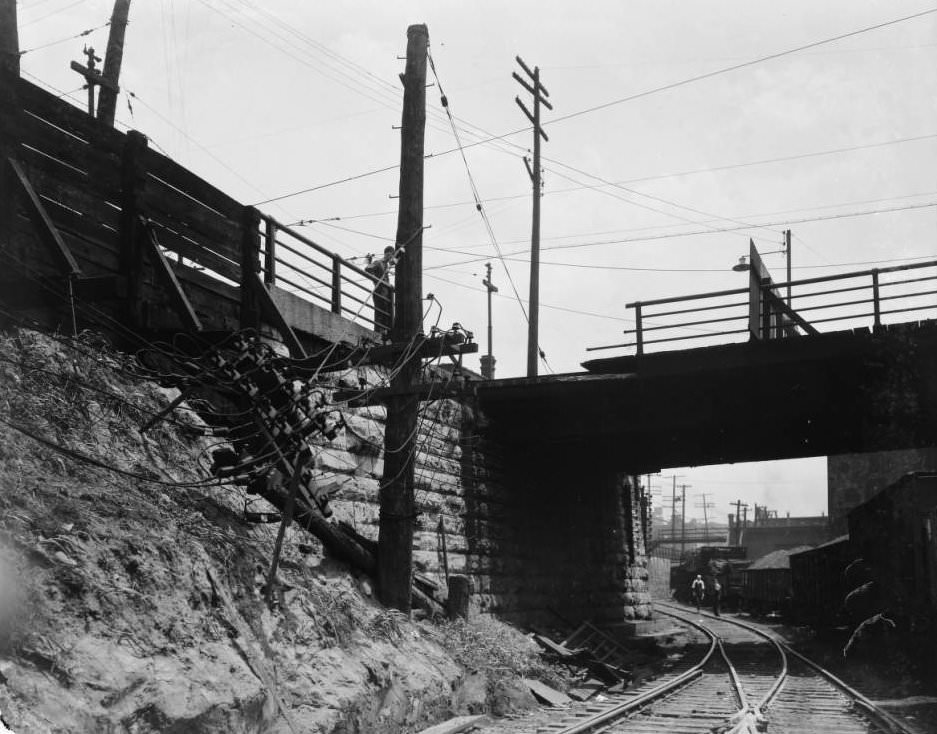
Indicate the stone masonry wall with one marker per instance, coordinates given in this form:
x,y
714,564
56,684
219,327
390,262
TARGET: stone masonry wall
x,y
540,542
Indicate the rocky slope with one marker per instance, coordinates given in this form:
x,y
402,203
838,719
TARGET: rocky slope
x,y
132,602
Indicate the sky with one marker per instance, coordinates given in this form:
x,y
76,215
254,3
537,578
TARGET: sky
x,y
268,99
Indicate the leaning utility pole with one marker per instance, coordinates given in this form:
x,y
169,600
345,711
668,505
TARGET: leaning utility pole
x,y
539,93
107,99
395,537
488,360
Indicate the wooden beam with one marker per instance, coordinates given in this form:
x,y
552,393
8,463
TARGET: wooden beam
x,y
133,187
377,396
431,348
164,270
48,234
272,314
778,303
93,76
251,296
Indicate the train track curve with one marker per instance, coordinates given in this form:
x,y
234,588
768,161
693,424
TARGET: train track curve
x,y
745,678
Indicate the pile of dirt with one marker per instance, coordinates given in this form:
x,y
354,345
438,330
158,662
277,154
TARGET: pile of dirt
x,y
133,602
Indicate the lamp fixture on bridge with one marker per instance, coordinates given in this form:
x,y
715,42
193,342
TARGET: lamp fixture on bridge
x,y
742,265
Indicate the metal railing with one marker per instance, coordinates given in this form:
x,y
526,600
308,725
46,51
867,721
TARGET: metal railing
x,y
295,263
859,299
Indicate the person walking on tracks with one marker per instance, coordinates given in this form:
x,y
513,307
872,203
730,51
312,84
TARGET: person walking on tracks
x,y
717,596
697,589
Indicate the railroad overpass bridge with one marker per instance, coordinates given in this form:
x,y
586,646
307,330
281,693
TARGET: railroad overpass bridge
x,y
577,442
841,392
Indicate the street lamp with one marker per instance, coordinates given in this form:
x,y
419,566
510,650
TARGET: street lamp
x,y
743,265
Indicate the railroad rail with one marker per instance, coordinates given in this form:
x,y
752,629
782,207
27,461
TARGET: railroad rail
x,y
756,679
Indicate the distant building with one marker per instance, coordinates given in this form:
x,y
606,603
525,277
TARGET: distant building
x,y
855,478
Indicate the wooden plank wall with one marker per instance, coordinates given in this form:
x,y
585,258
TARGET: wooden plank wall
x,y
98,185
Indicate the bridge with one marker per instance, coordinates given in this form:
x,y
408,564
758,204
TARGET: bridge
x,y
787,391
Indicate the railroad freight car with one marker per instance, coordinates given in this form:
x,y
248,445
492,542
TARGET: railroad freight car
x,y
711,562
766,583
819,584
895,533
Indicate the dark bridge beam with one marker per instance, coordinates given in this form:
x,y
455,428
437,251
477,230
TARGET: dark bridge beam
x,y
819,395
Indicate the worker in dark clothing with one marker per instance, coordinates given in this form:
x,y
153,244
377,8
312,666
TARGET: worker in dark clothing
x,y
697,590
383,300
717,596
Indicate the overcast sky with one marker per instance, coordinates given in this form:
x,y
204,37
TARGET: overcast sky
x,y
266,99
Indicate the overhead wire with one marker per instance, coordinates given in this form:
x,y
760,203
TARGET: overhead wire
x,y
639,95
641,179
84,33
648,238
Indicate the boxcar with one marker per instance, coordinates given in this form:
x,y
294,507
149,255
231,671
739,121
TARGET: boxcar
x,y
895,532
766,583
818,582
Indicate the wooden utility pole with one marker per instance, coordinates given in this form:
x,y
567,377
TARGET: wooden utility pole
x,y
738,504
9,113
9,38
488,361
683,488
395,537
540,94
107,100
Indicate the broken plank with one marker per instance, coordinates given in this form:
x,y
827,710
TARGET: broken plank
x,y
547,695
548,644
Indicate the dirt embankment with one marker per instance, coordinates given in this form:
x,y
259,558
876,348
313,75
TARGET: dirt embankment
x,y
132,605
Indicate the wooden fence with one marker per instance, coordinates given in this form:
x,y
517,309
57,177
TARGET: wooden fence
x,y
123,223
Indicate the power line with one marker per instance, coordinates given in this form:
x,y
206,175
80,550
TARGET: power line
x,y
462,249
576,245
657,177
611,103
63,40
744,64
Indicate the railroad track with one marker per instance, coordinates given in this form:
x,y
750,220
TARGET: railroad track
x,y
742,678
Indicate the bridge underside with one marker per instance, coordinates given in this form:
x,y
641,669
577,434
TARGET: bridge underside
x,y
833,393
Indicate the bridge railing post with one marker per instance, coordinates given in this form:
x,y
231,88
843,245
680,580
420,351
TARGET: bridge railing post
x,y
638,336
270,252
336,284
876,305
250,267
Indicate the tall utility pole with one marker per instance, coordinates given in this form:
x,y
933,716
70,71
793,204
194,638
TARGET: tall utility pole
x,y
395,536
683,488
540,94
488,360
738,504
787,249
107,99
706,505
